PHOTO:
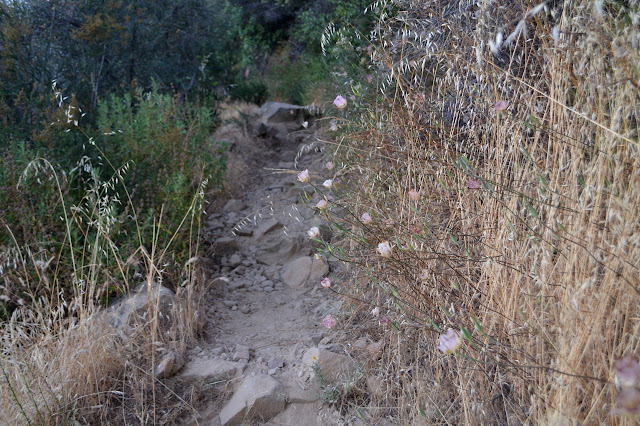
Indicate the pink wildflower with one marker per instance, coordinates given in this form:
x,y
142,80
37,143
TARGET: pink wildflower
x,y
303,176
322,204
329,321
413,195
628,402
474,184
313,232
449,342
385,249
326,282
501,105
365,218
628,371
340,102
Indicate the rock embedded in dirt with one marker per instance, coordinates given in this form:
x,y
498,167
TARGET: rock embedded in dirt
x,y
225,246
211,370
267,227
334,367
280,112
303,270
307,414
169,365
275,363
241,353
139,308
235,260
234,206
259,397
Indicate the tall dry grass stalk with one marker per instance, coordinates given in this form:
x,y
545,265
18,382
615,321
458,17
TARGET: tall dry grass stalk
x,y
62,361
540,264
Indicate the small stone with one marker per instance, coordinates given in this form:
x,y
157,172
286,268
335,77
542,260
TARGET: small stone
x,y
245,309
267,283
218,351
237,285
219,283
275,363
234,308
272,371
234,206
235,260
169,365
242,353
244,231
229,303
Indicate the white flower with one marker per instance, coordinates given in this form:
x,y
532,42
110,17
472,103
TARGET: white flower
x,y
375,311
313,232
328,183
303,176
326,282
340,102
449,342
329,165
365,218
322,204
384,249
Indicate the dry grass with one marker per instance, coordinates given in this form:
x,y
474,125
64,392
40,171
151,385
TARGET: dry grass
x,y
62,362
539,265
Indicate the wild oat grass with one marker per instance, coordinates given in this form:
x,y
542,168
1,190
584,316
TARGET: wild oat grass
x,y
61,360
525,235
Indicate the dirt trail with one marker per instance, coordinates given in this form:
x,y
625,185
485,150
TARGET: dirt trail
x,y
265,306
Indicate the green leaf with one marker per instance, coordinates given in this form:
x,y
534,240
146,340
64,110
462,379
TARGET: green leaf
x,y
532,210
466,334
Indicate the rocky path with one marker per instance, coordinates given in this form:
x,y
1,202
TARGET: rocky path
x,y
265,305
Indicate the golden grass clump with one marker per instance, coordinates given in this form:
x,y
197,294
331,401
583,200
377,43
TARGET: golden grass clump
x,y
517,124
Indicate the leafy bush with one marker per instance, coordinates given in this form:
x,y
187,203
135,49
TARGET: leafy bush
x,y
255,92
133,186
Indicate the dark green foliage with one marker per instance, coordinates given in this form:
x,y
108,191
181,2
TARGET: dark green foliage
x,y
255,92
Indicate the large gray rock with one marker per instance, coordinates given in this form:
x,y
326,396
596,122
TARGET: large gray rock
x,y
169,365
278,112
281,250
267,227
304,270
225,246
259,397
140,308
211,370
297,414
334,367
234,206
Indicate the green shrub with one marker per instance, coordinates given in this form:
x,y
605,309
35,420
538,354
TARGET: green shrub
x,y
126,191
255,92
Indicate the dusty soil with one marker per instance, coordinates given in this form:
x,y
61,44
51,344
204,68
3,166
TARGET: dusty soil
x,y
261,313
